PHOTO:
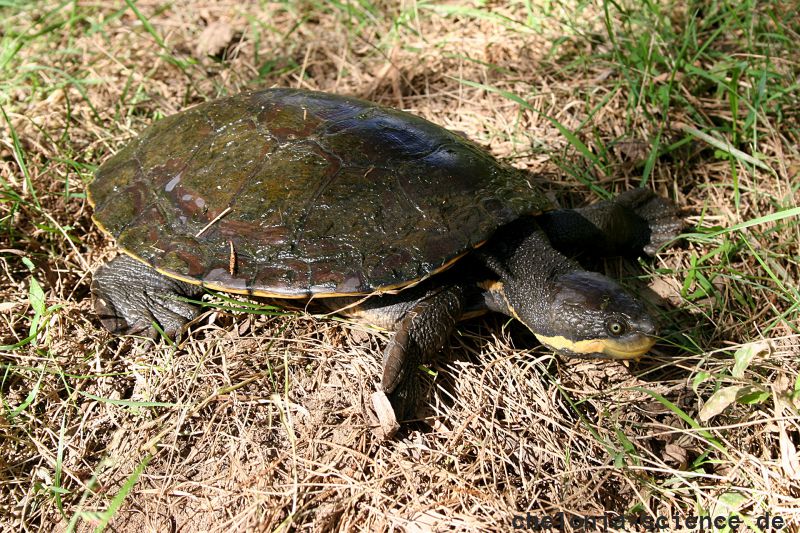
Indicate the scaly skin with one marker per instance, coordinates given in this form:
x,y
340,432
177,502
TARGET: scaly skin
x,y
568,308
130,296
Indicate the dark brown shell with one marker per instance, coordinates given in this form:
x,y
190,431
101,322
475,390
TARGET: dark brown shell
x,y
303,193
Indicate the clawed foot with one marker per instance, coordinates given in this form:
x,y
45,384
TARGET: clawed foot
x,y
661,216
130,297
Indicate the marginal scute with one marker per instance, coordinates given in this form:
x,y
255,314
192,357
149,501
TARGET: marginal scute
x,y
317,194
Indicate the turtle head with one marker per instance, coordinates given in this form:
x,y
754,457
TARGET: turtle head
x,y
586,314
590,315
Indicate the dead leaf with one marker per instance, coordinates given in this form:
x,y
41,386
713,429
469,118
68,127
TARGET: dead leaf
x,y
674,454
718,402
388,425
214,39
744,356
635,150
781,395
9,306
789,460
668,290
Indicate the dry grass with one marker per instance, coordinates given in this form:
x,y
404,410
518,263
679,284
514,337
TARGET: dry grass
x,y
254,422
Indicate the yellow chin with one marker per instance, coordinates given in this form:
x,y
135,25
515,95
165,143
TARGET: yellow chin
x,y
631,349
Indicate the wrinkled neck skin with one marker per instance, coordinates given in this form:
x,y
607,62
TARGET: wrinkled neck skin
x,y
528,268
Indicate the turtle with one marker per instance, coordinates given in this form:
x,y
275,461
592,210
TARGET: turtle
x,y
371,211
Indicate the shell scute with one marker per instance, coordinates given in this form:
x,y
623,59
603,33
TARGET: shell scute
x,y
317,194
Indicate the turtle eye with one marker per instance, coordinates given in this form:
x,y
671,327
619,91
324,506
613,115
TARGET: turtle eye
x,y
616,327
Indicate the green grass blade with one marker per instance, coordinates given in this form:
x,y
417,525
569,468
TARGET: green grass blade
x,y
772,217
119,497
727,147
706,434
146,23
127,403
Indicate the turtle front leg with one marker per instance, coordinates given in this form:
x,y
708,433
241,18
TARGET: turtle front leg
x,y
635,221
420,336
129,297
423,319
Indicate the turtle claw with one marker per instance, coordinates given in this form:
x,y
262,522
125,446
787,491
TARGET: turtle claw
x,y
380,415
660,214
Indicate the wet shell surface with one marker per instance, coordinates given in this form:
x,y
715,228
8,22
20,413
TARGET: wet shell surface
x,y
293,193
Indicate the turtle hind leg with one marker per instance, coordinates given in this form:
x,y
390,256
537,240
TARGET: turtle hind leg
x,y
129,297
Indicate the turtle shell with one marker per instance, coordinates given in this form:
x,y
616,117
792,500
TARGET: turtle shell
x,y
292,193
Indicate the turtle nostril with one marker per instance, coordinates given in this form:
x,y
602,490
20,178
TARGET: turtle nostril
x,y
647,326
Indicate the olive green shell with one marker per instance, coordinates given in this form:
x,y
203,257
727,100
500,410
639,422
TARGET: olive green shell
x,y
294,193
